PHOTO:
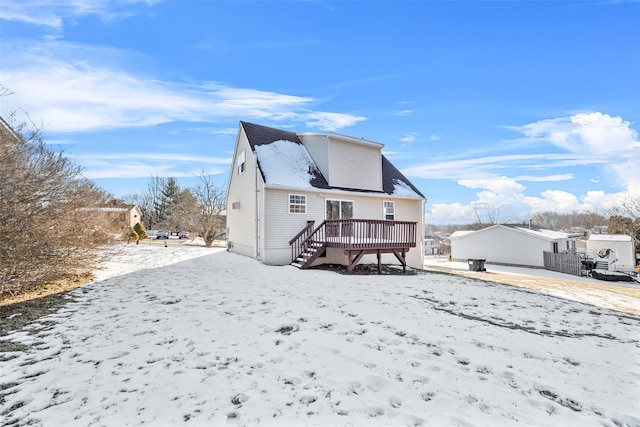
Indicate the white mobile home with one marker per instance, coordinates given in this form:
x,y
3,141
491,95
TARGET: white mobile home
x,y
319,198
518,245
612,251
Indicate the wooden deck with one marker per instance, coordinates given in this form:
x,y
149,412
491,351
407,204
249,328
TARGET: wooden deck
x,y
357,237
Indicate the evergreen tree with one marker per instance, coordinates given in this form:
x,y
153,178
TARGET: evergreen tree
x,y
140,230
132,235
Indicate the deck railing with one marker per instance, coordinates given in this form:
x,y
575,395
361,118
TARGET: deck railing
x,y
354,234
369,233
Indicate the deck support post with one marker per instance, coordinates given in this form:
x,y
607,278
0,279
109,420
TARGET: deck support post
x,y
355,256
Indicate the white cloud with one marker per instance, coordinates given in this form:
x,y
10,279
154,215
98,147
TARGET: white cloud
x,y
450,213
410,137
434,137
502,186
52,13
81,88
586,139
403,113
545,178
593,134
585,132
175,157
142,165
328,121
490,167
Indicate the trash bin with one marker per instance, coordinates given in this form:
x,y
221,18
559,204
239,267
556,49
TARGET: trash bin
x,y
476,264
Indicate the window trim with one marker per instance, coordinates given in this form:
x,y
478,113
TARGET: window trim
x,y
294,204
385,212
241,162
353,207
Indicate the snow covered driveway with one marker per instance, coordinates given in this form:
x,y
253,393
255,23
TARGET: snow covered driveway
x,y
224,340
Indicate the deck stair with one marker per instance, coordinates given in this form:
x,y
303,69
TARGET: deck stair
x,y
311,252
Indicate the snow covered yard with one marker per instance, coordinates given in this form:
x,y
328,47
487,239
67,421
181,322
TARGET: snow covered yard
x,y
220,339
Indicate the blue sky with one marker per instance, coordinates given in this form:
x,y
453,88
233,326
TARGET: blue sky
x,y
510,107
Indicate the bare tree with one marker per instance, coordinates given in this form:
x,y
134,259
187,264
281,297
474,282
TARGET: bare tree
x,y
49,223
184,212
588,221
492,215
211,203
629,207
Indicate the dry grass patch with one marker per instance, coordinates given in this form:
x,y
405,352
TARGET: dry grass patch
x,y
19,310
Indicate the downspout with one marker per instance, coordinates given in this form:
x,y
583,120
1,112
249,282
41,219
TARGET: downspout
x,y
424,212
257,211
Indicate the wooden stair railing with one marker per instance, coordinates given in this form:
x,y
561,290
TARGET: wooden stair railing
x,y
308,245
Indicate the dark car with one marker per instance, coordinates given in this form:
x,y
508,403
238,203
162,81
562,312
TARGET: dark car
x,y
162,234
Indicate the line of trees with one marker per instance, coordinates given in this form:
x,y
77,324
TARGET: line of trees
x,y
166,205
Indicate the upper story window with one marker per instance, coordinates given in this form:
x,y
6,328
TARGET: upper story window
x,y
241,163
389,210
297,204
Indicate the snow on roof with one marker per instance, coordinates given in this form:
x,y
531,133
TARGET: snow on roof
x,y
401,188
286,163
610,237
460,233
541,232
537,232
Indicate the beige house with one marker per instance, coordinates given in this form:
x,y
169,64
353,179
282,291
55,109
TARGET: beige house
x,y
121,217
312,198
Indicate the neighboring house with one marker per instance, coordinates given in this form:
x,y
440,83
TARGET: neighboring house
x,y
518,245
431,245
319,198
121,216
612,251
6,131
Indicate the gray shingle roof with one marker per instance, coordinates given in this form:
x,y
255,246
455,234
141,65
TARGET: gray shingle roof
x,y
261,135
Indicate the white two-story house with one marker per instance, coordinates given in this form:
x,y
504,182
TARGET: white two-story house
x,y
312,198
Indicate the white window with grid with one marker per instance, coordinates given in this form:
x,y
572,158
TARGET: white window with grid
x,y
389,210
297,204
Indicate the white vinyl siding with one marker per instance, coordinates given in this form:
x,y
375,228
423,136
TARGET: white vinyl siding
x,y
279,227
354,165
502,245
241,222
318,148
297,204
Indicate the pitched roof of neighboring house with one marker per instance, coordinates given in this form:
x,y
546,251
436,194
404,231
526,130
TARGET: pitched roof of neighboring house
x,y
283,160
6,128
460,233
610,238
533,231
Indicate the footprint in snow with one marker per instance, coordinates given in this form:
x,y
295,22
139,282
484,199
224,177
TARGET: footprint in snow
x,y
288,329
395,402
308,399
239,399
374,411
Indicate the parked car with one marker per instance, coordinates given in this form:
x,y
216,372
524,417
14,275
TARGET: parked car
x,y
162,234
183,235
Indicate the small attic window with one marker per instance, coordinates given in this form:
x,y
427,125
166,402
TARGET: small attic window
x,y
240,163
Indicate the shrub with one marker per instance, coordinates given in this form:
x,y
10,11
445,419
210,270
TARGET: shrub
x,y
139,228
